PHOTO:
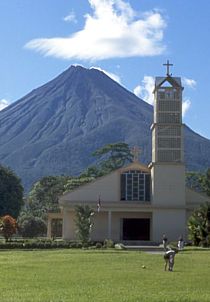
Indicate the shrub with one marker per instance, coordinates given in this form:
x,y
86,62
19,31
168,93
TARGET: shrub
x,y
198,225
108,243
98,245
31,227
31,244
8,226
75,245
83,221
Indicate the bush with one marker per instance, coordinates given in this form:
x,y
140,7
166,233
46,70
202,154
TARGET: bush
x,y
203,243
76,245
11,245
31,227
31,244
8,226
98,245
108,243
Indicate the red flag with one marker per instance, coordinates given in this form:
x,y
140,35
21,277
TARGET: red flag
x,y
99,203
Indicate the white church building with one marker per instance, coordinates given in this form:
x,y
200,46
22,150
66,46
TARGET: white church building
x,y
141,203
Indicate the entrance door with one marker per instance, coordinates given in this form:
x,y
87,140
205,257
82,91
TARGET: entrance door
x,y
136,229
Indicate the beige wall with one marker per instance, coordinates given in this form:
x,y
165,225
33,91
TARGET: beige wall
x,y
68,225
168,184
100,227
107,225
99,231
170,222
108,187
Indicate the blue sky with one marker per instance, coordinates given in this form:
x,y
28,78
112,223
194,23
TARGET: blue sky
x,y
130,40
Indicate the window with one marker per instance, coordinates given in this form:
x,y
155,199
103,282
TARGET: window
x,y
169,118
135,185
168,93
161,95
169,130
169,106
169,155
169,142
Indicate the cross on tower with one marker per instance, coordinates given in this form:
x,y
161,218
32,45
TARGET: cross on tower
x,y
168,65
135,151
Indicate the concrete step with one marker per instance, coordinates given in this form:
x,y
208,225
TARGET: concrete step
x,y
145,248
139,243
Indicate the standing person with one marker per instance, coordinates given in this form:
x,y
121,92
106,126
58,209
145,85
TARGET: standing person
x,y
180,243
165,242
169,259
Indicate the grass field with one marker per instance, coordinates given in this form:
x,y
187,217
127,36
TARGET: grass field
x,y
88,275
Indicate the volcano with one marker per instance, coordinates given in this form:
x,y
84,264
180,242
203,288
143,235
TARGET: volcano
x,y
54,129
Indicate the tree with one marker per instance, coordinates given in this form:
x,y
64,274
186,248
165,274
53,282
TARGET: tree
x,y
110,157
194,181
200,182
8,226
11,193
44,195
93,172
198,225
206,182
30,226
75,182
83,222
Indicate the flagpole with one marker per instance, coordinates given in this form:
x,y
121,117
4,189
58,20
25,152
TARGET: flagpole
x,y
99,203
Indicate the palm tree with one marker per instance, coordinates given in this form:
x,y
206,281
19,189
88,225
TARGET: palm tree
x,y
198,225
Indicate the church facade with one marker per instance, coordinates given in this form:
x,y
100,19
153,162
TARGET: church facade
x,y
140,203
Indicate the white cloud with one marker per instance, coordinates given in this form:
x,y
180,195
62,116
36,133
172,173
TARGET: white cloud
x,y
189,82
113,30
145,90
3,104
185,106
113,76
71,17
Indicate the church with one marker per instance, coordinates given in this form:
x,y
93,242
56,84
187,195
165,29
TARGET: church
x,y
140,203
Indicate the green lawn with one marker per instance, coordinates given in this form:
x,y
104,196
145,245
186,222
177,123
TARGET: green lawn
x,y
88,275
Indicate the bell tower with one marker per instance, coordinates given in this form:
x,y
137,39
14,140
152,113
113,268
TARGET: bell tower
x,y
167,129
167,167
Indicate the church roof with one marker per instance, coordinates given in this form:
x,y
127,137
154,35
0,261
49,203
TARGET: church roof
x,y
174,81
